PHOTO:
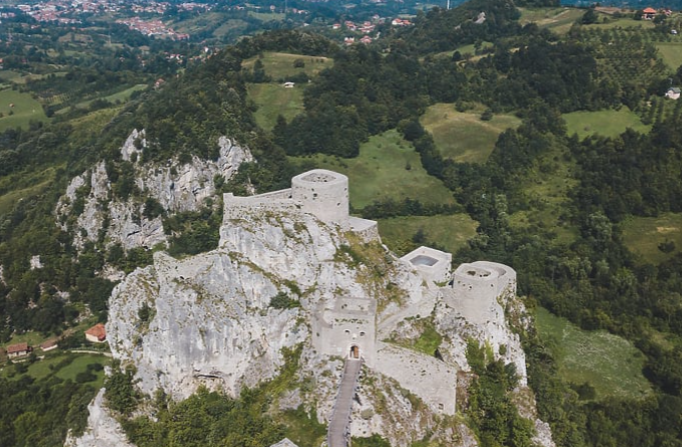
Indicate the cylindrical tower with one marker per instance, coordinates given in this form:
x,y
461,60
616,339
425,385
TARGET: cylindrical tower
x,y
322,193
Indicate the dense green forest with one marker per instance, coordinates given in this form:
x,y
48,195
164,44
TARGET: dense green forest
x,y
576,263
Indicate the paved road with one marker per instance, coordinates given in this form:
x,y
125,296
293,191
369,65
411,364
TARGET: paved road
x,y
337,436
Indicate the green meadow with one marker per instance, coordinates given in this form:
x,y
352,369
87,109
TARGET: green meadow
x,y
671,53
610,364
273,100
643,235
24,110
608,123
463,136
281,65
559,20
451,232
388,167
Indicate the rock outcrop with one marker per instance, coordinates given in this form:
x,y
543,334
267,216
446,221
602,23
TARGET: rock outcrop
x,y
174,185
103,430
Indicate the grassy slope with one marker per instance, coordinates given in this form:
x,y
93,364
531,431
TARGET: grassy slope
x,y
279,65
608,123
607,362
559,20
379,172
671,53
25,109
462,136
452,232
643,234
274,100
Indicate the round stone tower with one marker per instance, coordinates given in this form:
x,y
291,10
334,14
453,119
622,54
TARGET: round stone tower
x,y
477,286
322,193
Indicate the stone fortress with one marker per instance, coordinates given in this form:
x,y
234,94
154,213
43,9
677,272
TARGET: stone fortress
x,y
349,327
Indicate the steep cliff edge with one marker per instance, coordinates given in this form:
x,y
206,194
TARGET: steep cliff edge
x,y
211,321
174,185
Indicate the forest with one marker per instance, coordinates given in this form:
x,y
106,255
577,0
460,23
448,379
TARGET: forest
x,y
592,278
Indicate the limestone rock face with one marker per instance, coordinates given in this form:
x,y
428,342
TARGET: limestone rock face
x,y
210,317
176,186
103,430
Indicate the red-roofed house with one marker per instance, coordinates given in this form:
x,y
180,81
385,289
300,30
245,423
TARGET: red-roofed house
x,y
96,334
649,13
18,350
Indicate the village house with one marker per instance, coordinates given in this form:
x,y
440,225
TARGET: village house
x,y
673,93
648,13
18,350
49,345
96,334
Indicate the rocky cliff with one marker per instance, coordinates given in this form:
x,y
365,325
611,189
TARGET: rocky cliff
x,y
176,186
211,322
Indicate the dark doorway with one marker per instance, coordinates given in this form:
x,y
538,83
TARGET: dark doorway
x,y
354,352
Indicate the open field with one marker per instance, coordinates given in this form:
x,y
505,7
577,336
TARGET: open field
x,y
451,232
558,20
63,365
230,25
607,362
380,172
280,65
21,185
274,100
608,123
642,235
267,16
25,109
671,53
462,136
624,22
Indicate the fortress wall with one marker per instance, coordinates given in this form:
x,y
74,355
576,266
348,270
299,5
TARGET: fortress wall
x,y
428,378
322,193
350,323
368,230
239,207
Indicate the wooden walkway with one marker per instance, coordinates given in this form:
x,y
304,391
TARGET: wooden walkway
x,y
339,426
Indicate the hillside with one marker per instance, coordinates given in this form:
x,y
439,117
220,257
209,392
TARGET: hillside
x,y
548,149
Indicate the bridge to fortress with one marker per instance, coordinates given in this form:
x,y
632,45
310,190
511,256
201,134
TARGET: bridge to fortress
x,y
338,434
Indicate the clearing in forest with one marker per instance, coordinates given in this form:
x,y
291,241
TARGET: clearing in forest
x,y
608,363
274,100
558,20
644,235
18,109
451,232
463,136
281,65
670,52
608,123
388,167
